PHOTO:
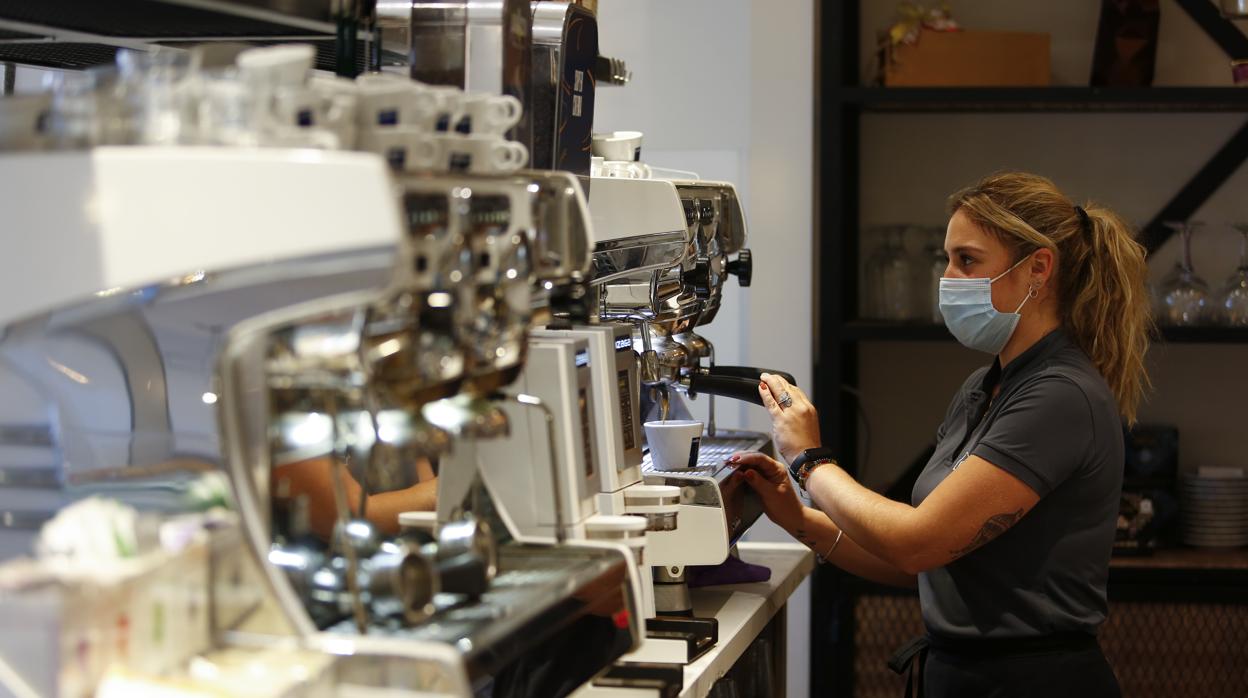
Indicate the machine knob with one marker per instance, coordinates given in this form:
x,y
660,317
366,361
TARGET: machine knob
x,y
743,267
700,277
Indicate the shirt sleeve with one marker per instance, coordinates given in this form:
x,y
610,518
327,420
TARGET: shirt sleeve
x,y
1042,435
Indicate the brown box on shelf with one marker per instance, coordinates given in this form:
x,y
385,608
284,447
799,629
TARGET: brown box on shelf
x,y
970,59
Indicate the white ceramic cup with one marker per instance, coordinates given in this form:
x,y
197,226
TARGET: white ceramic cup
x,y
404,148
387,100
617,145
490,115
479,154
450,107
272,66
674,443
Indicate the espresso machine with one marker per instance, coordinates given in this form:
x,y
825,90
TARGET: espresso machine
x,y
526,613
109,358
661,257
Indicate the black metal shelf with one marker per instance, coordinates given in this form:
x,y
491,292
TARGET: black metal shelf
x,y
868,331
1044,99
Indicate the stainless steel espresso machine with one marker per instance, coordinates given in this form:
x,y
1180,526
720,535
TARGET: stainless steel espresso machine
x,y
525,615
329,359
662,255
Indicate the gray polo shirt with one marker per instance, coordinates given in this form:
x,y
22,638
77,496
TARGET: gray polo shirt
x,y
1055,426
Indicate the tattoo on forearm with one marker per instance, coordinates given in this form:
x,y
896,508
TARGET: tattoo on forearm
x,y
993,527
805,539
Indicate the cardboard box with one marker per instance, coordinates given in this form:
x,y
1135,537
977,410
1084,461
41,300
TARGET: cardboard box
x,y
970,59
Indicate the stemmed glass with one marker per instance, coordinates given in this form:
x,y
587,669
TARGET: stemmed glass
x,y
888,275
1233,302
1184,298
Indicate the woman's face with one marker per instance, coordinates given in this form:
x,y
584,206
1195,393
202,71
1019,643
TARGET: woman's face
x,y
976,254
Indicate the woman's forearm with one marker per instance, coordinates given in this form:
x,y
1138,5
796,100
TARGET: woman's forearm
x,y
819,533
882,527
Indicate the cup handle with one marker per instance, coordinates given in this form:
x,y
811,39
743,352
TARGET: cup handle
x,y
424,152
509,109
511,155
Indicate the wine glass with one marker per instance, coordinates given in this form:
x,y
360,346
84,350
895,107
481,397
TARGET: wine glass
x,y
888,275
1185,300
1233,302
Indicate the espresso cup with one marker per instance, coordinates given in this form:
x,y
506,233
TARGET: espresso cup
x,y
449,109
479,154
617,145
489,115
404,148
273,66
674,443
387,100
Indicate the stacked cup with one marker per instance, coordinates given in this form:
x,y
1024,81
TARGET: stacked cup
x,y
435,128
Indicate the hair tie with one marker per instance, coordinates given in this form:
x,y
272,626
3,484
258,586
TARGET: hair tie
x,y
1084,223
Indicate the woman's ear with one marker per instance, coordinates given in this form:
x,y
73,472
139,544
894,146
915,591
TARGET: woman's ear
x,y
1042,262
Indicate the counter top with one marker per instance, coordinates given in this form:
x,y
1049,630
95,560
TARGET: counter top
x,y
743,610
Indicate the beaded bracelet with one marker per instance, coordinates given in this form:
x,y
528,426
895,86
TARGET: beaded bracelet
x,y
803,474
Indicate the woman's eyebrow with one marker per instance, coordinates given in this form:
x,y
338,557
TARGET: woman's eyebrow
x,y
965,248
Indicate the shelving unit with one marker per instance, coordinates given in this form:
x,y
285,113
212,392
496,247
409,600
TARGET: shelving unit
x,y
840,334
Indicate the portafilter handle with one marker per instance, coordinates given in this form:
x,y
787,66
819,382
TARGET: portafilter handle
x,y
750,372
735,387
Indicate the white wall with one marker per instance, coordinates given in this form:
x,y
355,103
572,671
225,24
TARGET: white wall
x,y
726,89
1133,162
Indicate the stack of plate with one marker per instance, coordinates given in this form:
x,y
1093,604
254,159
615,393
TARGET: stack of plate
x,y
1215,508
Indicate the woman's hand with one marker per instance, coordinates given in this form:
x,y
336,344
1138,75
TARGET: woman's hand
x,y
794,428
770,479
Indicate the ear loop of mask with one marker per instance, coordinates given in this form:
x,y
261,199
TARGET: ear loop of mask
x,y
1032,291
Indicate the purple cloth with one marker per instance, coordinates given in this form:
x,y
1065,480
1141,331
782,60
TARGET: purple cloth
x,y
734,570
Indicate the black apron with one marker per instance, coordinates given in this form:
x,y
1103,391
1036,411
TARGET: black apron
x,y
1067,665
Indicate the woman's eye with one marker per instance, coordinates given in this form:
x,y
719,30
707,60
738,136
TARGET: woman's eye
x,y
965,260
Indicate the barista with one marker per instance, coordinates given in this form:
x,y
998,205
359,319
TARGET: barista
x,y
310,481
1010,525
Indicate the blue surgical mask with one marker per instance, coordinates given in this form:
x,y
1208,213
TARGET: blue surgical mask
x,y
966,305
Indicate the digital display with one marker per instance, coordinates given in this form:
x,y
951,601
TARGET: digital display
x,y
626,412
489,211
622,343
587,441
582,358
425,211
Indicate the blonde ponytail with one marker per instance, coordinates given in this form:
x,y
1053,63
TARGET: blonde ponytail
x,y
1100,276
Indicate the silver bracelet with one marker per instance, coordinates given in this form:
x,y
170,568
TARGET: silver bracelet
x,y
824,557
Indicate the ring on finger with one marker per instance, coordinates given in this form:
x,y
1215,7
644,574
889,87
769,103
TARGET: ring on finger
x,y
785,400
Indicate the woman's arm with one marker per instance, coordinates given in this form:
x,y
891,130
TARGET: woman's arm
x,y
973,505
810,526
819,534
313,479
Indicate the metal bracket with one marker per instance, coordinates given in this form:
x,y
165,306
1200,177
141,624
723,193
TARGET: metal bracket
x,y
1219,28
1202,185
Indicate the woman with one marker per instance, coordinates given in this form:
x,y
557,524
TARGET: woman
x,y
1010,526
